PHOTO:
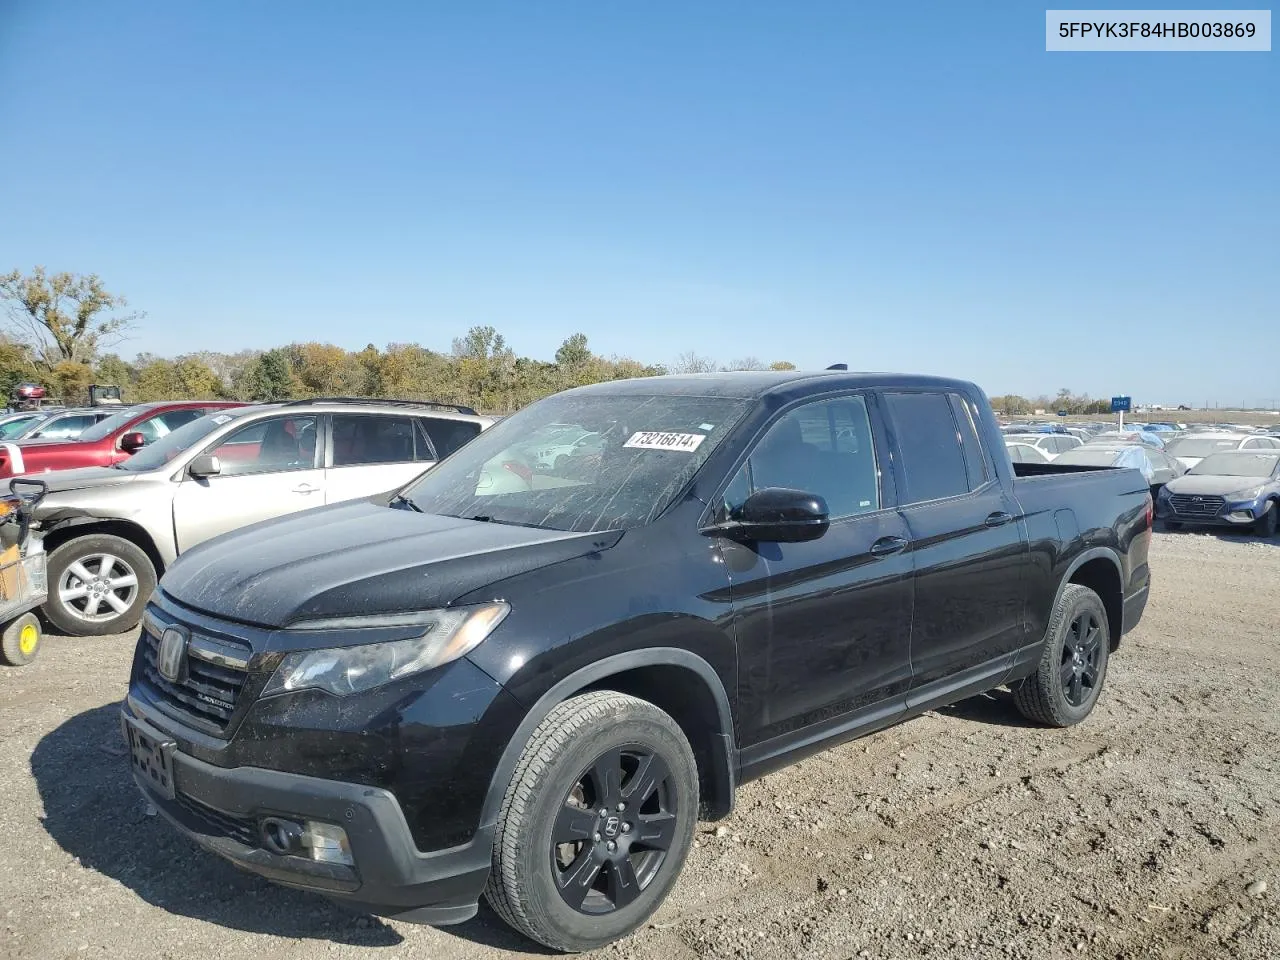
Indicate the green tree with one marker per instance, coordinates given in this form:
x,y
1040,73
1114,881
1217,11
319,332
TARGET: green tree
x,y
63,316
268,376
111,369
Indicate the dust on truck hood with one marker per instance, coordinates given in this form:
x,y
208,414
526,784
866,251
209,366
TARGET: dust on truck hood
x,y
358,559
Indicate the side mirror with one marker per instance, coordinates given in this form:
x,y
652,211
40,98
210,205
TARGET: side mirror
x,y
205,465
132,442
777,515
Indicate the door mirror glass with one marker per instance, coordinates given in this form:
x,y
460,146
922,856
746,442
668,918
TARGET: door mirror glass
x,y
132,442
205,465
779,515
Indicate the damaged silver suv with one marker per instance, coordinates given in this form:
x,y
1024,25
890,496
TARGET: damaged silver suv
x,y
111,531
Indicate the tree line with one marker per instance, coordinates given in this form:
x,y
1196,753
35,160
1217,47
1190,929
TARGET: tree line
x,y
63,330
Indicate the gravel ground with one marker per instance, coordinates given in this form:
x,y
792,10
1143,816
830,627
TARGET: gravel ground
x,y
1150,831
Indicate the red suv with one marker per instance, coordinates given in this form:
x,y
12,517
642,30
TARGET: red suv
x,y
116,438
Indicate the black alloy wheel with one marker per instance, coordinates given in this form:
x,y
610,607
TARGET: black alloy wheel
x,y
613,830
1080,658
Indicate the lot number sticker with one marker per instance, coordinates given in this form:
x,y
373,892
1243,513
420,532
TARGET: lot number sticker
x,y
652,440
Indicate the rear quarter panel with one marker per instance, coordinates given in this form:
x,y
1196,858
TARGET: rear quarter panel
x,y
1072,516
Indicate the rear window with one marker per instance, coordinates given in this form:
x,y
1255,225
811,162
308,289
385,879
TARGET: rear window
x,y
929,444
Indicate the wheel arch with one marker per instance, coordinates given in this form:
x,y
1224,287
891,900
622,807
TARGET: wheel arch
x,y
124,529
1099,569
675,680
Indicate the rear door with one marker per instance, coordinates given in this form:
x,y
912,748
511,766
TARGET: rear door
x,y
269,468
969,547
372,453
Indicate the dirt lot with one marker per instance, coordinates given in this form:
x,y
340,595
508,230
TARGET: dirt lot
x,y
963,834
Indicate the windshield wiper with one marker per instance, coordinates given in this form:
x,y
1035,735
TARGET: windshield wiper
x,y
401,502
486,518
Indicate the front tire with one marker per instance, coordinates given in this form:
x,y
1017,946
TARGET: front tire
x,y
1266,527
596,823
98,584
1073,667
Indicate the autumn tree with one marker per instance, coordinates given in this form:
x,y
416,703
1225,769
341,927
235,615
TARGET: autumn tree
x,y
782,365
63,317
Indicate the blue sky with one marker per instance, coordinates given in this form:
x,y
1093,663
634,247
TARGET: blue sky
x,y
907,187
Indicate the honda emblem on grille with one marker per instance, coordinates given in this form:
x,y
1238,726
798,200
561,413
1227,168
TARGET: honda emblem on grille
x,y
173,650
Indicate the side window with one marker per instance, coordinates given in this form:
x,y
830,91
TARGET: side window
x,y
163,424
824,448
974,461
1015,452
364,439
933,462
448,435
65,427
269,446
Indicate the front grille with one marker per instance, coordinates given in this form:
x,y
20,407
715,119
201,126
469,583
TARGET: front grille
x,y
207,693
221,824
1191,506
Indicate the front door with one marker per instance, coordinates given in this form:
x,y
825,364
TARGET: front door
x,y
269,468
823,627
969,543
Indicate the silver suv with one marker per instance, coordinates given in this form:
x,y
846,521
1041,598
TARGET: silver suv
x,y
111,531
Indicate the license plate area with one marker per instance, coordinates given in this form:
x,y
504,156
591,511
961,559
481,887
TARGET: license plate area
x,y
151,757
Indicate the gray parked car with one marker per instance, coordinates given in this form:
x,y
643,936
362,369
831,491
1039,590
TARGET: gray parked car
x,y
111,531
60,424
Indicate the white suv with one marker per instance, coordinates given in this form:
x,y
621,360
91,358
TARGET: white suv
x,y
111,531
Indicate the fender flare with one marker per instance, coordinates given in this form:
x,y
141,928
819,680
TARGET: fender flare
x,y
1093,553
725,768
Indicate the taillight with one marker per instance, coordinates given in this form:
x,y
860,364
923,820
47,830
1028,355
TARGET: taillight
x,y
1151,512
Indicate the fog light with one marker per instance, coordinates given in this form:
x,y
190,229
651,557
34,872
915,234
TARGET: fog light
x,y
1241,516
328,843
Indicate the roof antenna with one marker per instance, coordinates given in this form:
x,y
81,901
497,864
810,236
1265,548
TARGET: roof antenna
x,y
838,366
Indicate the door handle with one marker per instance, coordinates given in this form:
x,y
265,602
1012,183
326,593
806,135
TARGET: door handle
x,y
305,488
998,519
887,546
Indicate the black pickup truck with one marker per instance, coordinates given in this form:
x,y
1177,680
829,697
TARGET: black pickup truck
x,y
528,681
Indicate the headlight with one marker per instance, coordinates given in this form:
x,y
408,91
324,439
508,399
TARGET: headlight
x,y
1251,494
446,635
1165,493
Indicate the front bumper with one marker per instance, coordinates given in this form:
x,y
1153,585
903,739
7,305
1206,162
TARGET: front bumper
x,y
1231,515
221,809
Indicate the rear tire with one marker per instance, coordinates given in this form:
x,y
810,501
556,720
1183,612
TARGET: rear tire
x,y
20,642
596,823
1266,527
76,582
1073,667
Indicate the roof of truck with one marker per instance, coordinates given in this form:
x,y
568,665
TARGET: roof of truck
x,y
752,384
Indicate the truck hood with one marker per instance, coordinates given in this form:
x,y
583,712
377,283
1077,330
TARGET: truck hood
x,y
360,558
1214,486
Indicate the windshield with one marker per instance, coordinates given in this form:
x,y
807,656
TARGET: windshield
x,y
107,427
1202,448
12,428
156,455
648,449
1260,465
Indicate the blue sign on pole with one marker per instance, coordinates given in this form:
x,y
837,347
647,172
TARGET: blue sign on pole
x,y
1120,404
